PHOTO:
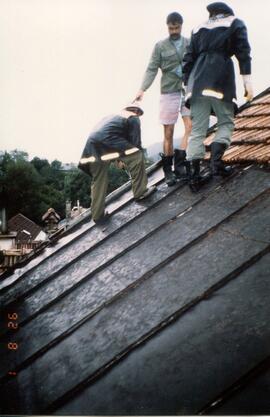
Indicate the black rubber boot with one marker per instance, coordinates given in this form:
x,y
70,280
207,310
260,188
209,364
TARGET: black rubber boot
x,y
167,162
196,180
181,166
217,165
103,219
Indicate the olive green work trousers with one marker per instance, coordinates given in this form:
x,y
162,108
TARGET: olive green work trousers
x,y
99,172
200,113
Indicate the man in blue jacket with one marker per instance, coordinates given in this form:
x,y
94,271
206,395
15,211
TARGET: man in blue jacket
x,y
209,75
115,138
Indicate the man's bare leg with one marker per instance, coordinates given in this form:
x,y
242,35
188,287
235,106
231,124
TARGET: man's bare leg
x,y
168,140
187,126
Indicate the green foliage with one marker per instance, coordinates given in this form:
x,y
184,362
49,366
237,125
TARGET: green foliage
x,y
117,177
31,187
39,164
77,187
19,184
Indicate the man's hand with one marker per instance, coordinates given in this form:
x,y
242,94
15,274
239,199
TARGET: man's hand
x,y
119,164
248,87
249,92
139,95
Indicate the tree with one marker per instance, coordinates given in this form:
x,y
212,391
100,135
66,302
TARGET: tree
x,y
32,187
20,186
17,155
39,164
77,187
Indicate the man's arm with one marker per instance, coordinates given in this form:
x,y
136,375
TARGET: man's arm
x,y
189,61
242,53
134,132
150,73
242,48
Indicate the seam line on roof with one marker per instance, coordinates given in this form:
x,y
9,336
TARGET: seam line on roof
x,y
241,383
238,234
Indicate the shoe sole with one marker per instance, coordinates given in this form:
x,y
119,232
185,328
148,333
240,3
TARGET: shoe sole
x,y
146,196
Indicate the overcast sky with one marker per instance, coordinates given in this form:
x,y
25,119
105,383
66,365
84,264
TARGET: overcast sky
x,y
67,63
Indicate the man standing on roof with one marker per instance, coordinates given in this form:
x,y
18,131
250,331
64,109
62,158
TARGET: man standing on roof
x,y
115,138
168,55
209,74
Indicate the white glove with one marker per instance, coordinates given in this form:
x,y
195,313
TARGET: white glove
x,y
248,87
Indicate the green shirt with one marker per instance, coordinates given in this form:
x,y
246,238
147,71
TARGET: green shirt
x,y
166,57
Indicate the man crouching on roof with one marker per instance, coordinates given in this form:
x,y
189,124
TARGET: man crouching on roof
x,y
115,138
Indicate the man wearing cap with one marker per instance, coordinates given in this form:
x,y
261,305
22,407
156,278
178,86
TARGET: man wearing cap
x,y
115,138
209,74
167,56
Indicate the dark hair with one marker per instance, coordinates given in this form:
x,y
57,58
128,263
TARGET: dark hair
x,y
174,18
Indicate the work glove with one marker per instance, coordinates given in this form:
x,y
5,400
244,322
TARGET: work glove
x,y
248,87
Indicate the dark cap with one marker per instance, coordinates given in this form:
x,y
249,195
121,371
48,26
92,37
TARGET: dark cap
x,y
219,7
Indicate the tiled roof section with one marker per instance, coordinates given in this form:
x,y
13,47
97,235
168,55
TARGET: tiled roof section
x,y
252,122
251,136
248,153
19,223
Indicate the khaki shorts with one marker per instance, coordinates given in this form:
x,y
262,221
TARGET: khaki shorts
x,y
170,106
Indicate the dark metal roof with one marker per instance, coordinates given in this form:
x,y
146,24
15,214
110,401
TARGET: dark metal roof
x,y
163,311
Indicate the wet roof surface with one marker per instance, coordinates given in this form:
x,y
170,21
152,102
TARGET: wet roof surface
x,y
162,311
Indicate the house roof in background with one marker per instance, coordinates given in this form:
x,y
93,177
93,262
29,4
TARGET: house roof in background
x,y
251,136
19,223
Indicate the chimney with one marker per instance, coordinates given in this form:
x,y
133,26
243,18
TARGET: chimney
x,y
3,221
68,209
